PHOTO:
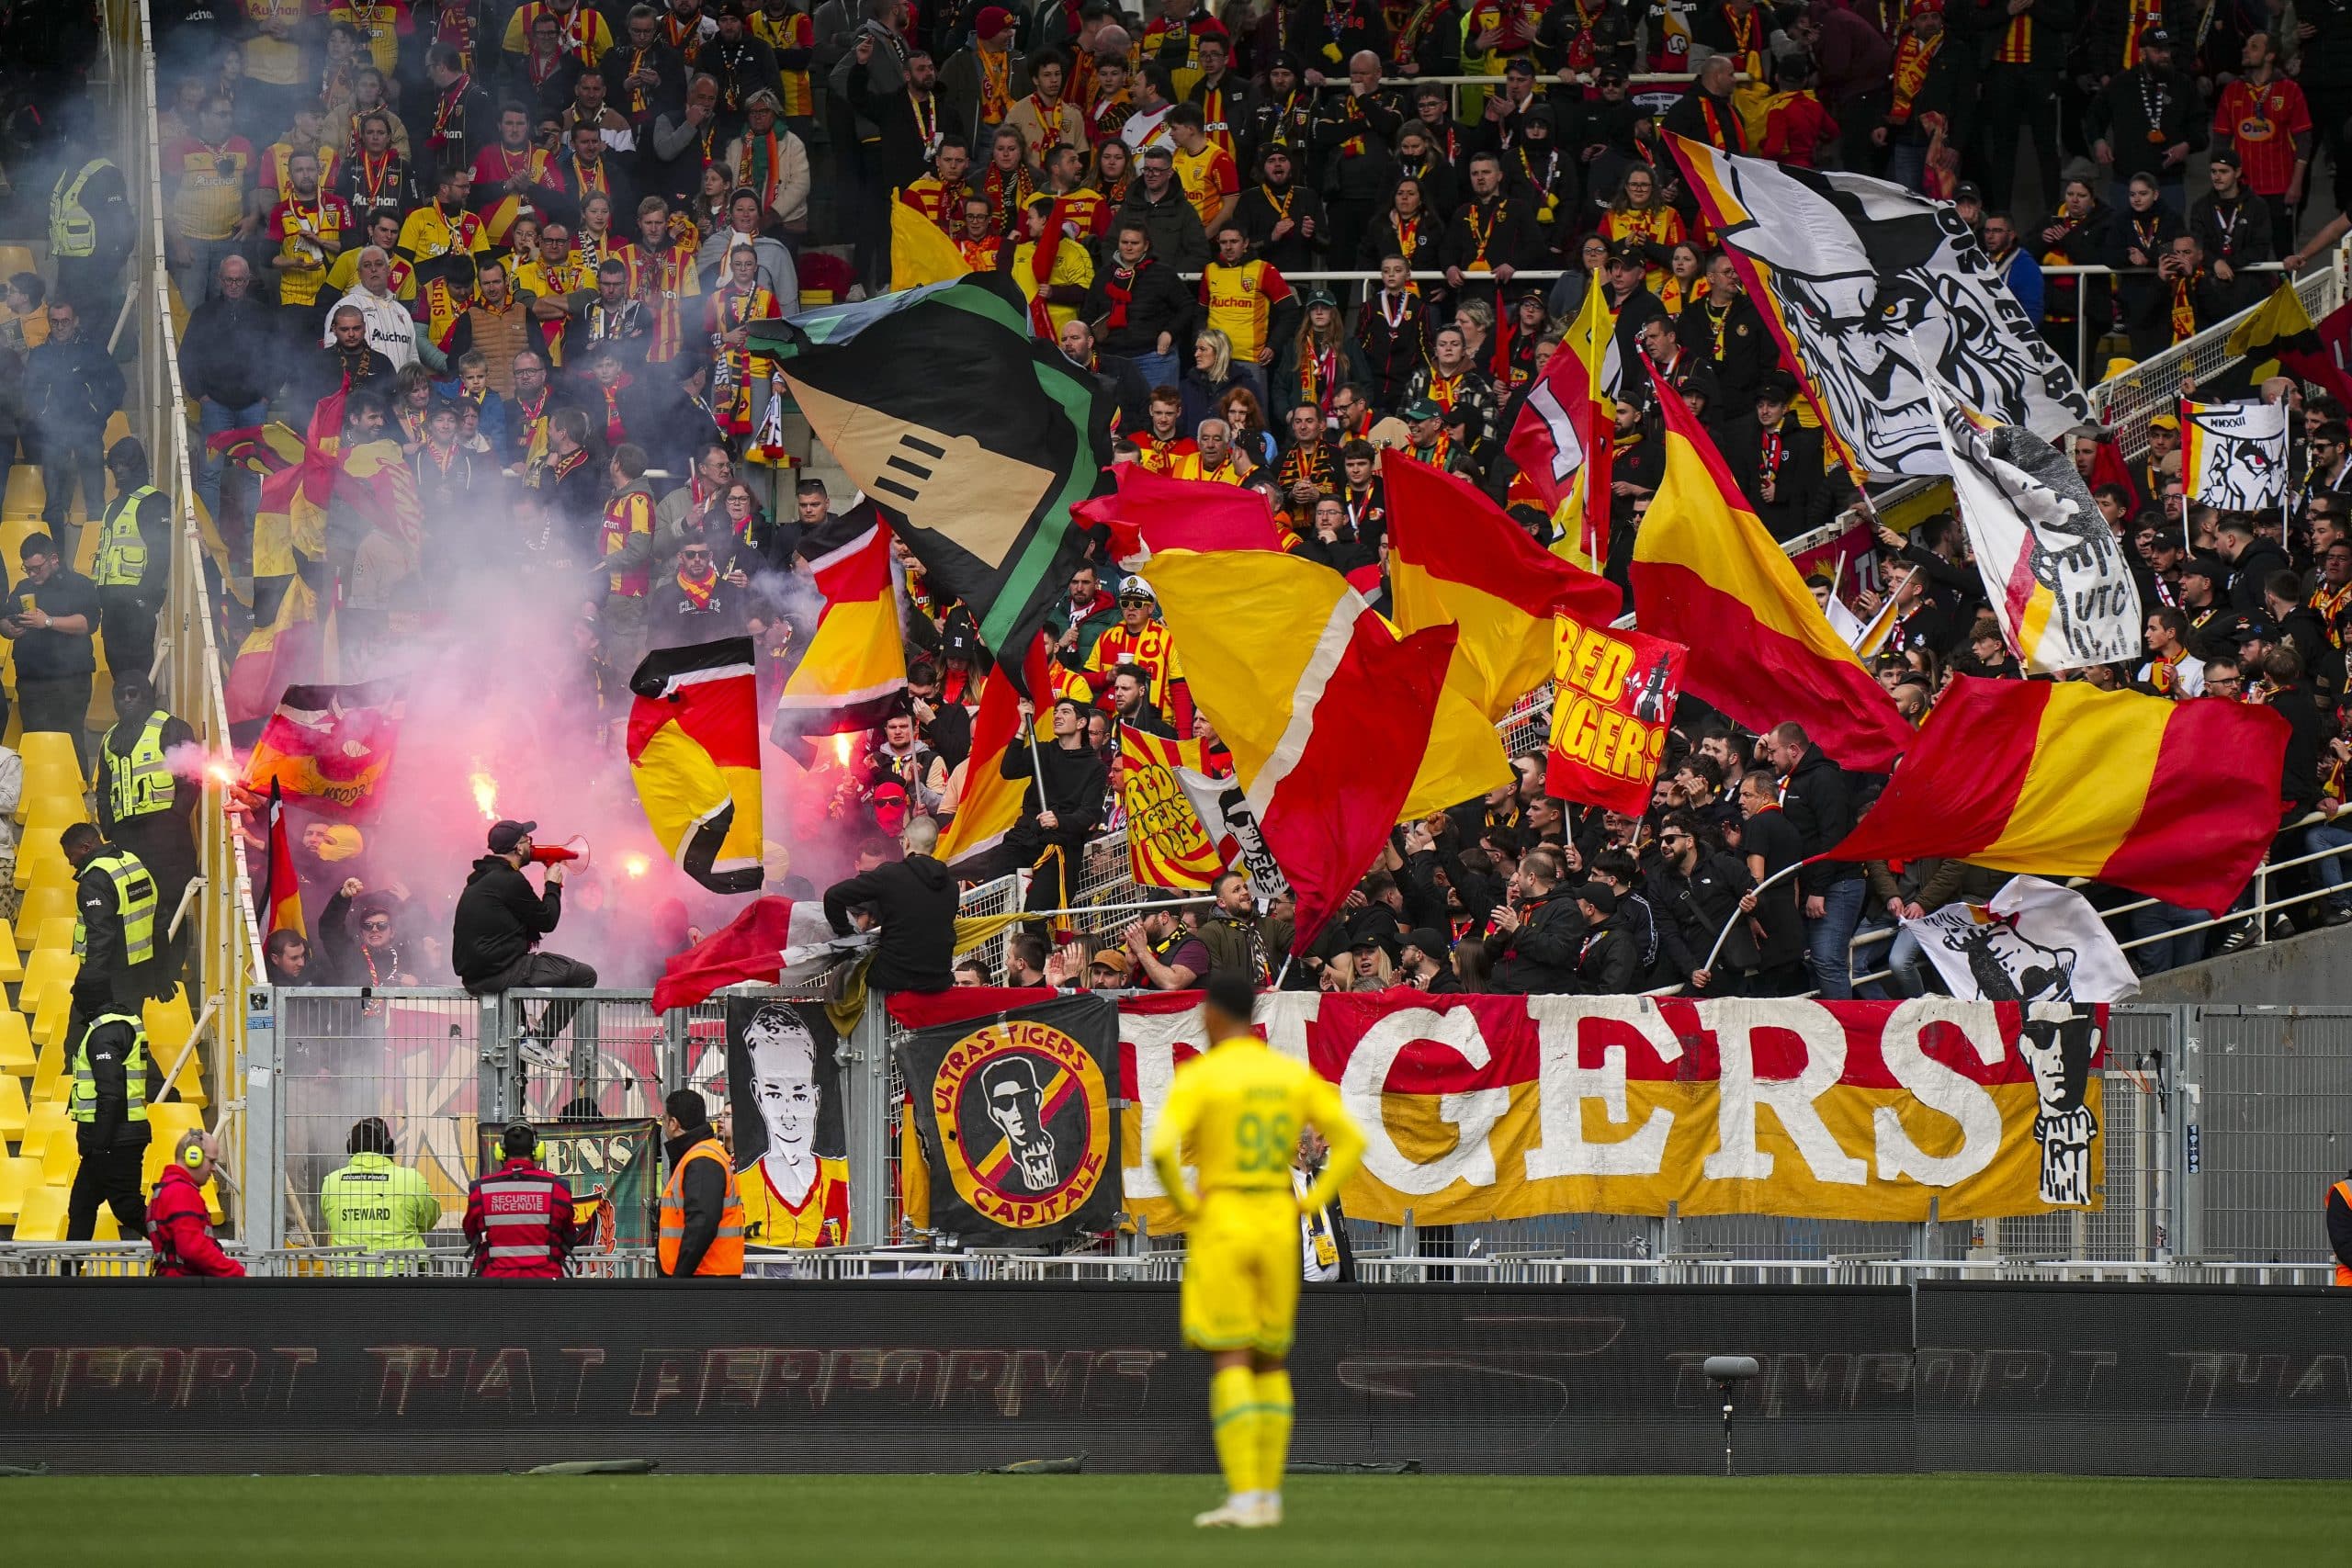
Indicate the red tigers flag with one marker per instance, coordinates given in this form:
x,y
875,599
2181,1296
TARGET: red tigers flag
x,y
1167,846
694,750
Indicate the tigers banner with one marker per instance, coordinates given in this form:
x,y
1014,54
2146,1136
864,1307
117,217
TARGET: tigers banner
x,y
1490,1107
1167,846
1613,700
1019,1139
612,1168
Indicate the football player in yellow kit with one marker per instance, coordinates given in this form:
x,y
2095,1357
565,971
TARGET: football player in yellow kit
x,y
1237,1110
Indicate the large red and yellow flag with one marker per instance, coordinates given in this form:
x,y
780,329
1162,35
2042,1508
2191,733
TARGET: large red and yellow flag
x,y
991,803
855,670
2175,800
1455,556
1565,438
328,746
1327,711
1706,573
693,751
1167,846
299,475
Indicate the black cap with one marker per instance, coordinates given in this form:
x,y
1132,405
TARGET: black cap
x,y
2205,567
1598,895
2225,155
505,833
1967,190
2155,37
1427,939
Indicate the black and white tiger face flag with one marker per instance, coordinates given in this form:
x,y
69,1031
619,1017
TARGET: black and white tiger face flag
x,y
1850,272
2234,455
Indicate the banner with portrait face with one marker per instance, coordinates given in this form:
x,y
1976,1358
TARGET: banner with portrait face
x,y
784,1090
1018,1131
1613,700
1865,285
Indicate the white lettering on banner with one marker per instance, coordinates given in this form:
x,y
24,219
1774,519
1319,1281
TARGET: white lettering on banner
x,y
1473,1115
1736,1157
1941,1089
1563,1087
1153,1038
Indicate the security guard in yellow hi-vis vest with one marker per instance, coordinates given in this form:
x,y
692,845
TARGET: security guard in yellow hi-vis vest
x,y
2339,1229
146,805
109,1114
374,1202
116,931
135,560
91,228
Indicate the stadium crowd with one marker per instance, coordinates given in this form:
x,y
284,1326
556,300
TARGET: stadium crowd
x,y
526,242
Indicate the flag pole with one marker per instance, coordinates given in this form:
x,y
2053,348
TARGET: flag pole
x,y
1724,935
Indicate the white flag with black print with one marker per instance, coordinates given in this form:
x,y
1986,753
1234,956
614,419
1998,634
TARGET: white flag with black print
x,y
2234,455
2031,941
2055,577
1867,285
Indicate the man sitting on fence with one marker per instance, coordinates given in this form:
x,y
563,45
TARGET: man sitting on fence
x,y
499,923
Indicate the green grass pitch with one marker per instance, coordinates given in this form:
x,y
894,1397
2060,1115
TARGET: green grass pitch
x,y
1139,1521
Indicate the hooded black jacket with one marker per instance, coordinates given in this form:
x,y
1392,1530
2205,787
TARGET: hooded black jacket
x,y
1818,800
500,919
914,902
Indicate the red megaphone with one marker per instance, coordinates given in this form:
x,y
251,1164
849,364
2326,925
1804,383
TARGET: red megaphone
x,y
573,848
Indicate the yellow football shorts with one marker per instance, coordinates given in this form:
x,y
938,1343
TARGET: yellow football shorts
x,y
1241,1272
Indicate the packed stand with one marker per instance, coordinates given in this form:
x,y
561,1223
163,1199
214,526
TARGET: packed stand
x,y
525,243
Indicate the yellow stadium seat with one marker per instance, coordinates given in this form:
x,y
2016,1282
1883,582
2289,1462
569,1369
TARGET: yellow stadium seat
x,y
49,779
43,1213
14,1175
38,848
169,1023
53,931
49,1023
41,905
12,1108
17,1056
40,1213
60,1156
52,810
49,969
45,1120
51,1081
47,746
11,970
190,1081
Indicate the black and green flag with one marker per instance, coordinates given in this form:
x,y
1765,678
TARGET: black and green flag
x,y
976,437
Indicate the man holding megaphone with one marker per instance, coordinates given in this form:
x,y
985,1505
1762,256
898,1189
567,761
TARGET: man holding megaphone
x,y
500,921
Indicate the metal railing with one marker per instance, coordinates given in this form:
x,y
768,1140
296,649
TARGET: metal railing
x,y
225,942
2222,1129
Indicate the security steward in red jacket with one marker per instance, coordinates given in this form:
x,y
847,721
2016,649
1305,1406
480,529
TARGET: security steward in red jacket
x,y
519,1217
179,1221
702,1209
